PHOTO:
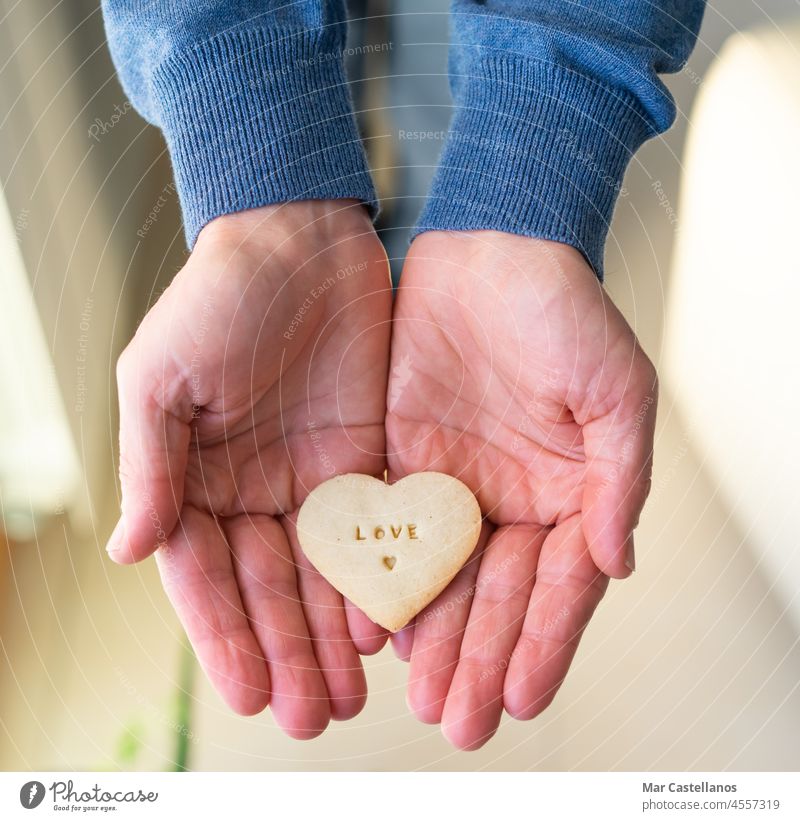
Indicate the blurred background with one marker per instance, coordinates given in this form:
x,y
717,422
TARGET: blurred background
x,y
692,664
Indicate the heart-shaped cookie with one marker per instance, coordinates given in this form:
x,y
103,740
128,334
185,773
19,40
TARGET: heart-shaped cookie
x,y
391,549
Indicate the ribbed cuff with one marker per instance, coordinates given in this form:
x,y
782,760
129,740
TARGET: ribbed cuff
x,y
537,150
252,120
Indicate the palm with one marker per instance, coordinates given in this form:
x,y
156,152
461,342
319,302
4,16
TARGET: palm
x,y
282,414
259,408
477,412
513,371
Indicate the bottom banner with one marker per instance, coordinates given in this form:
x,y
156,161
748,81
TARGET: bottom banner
x,y
375,796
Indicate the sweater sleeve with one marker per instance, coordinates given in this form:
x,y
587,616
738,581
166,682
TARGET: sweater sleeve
x,y
551,100
251,96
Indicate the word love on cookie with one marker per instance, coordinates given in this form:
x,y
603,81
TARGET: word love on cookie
x,y
379,532
391,549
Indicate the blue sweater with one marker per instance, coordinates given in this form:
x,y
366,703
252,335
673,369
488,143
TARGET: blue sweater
x,y
551,100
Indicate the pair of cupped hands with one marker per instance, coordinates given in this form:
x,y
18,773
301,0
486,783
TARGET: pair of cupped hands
x,y
278,358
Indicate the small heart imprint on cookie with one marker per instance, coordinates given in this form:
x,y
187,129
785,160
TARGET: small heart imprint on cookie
x,y
390,562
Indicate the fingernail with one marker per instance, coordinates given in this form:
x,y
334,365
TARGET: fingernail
x,y
630,554
114,543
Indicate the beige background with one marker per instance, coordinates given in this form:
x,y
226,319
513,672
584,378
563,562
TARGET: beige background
x,y
692,664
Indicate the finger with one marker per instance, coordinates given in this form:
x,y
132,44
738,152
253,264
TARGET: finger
x,y
264,570
619,457
336,655
438,631
566,592
403,642
197,574
153,451
474,704
367,636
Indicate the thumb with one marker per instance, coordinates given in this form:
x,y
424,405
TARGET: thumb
x,y
619,457
153,450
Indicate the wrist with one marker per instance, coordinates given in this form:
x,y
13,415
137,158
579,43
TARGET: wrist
x,y
323,219
514,252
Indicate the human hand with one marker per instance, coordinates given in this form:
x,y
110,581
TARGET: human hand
x,y
260,372
513,370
